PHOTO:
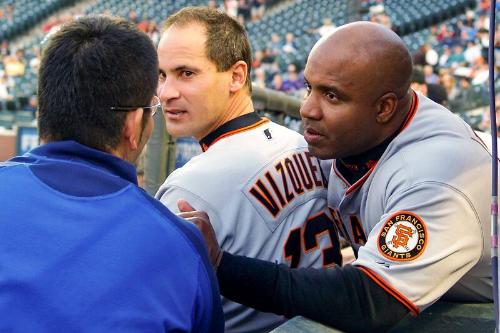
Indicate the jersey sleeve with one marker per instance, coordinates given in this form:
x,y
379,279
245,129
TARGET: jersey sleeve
x,y
169,194
428,238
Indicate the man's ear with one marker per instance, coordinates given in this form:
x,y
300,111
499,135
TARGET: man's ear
x,y
386,107
132,128
239,73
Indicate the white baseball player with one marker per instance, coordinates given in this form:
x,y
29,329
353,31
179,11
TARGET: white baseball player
x,y
264,192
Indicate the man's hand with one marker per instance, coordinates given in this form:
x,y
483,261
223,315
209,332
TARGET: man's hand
x,y
202,221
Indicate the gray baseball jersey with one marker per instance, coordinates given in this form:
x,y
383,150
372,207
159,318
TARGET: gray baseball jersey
x,y
266,197
421,214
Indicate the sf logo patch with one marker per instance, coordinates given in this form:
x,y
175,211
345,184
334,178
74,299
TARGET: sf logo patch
x,y
403,237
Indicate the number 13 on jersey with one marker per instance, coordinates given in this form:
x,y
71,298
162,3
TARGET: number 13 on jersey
x,y
306,239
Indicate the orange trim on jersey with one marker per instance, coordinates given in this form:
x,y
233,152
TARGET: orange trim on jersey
x,y
334,168
391,290
356,184
413,111
239,130
361,181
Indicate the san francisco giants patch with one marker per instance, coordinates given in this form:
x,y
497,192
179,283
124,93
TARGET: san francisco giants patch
x,y
403,237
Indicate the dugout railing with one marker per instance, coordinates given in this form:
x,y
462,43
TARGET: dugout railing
x,y
441,317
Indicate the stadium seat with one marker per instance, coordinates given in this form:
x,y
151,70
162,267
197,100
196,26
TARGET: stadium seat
x,y
22,102
11,105
27,13
21,117
6,119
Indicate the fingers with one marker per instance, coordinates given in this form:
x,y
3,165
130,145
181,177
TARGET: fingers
x,y
200,223
184,206
194,214
188,212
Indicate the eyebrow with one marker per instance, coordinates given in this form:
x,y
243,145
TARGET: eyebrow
x,y
187,67
180,68
334,89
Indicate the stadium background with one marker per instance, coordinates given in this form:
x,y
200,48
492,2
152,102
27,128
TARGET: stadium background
x,y
448,40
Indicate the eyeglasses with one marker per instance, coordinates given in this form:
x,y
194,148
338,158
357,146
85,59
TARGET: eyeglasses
x,y
155,106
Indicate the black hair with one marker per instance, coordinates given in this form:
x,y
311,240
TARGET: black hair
x,y
89,65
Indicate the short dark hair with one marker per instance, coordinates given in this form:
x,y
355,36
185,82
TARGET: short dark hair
x,y
90,64
417,76
227,40
437,93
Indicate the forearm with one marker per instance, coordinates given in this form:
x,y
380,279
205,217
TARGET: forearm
x,y
344,298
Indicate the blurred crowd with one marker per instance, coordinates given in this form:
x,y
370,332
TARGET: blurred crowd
x,y
452,62
7,12
243,10
19,65
452,67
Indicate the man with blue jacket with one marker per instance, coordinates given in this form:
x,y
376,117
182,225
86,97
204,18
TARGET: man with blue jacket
x,y
83,247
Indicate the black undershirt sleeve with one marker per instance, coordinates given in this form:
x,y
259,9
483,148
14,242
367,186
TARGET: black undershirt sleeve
x,y
341,297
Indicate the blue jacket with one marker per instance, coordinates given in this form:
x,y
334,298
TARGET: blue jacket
x,y
84,249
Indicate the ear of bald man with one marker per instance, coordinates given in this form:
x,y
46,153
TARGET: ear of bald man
x,y
201,220
387,105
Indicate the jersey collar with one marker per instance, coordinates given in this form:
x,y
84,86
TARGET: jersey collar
x,y
76,152
236,125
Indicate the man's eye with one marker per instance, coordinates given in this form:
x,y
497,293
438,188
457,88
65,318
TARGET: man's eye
x,y
187,73
162,77
331,96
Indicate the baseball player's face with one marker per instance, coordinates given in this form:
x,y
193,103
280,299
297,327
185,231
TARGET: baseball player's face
x,y
338,112
194,94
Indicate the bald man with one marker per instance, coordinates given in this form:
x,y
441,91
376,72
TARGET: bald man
x,y
408,189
